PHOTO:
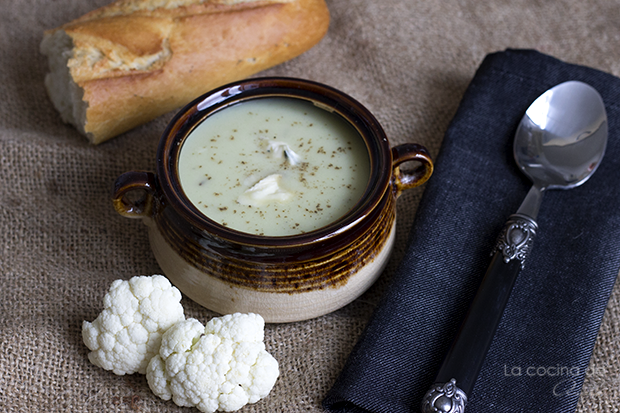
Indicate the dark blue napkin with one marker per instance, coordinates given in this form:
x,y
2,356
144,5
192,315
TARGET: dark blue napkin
x,y
540,353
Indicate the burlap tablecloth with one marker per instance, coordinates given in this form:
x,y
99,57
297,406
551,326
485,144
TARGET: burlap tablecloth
x,y
62,243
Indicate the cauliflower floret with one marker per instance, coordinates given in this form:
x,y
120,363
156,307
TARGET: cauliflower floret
x,y
218,367
127,333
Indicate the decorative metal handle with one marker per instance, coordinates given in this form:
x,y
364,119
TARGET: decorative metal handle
x,y
462,364
444,398
516,239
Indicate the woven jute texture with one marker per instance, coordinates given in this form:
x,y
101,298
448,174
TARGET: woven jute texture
x,y
62,243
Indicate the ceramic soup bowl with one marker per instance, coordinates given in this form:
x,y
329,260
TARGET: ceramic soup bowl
x,y
275,196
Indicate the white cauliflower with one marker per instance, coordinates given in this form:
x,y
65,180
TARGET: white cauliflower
x,y
127,333
218,367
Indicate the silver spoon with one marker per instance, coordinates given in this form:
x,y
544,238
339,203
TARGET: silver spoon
x,y
559,144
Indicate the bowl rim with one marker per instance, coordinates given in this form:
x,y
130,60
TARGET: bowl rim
x,y
358,116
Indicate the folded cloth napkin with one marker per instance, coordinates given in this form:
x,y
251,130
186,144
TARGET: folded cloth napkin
x,y
541,350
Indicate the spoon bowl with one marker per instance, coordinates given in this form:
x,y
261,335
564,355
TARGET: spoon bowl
x,y
562,136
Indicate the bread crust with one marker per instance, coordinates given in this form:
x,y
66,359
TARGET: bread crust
x,y
134,65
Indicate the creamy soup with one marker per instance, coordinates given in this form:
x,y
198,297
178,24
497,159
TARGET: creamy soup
x,y
274,167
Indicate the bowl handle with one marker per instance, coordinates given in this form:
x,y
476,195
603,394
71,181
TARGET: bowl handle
x,y
405,179
133,194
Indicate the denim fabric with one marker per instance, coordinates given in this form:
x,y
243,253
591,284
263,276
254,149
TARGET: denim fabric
x,y
540,353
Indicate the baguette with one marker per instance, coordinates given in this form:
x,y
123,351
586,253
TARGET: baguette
x,y
124,64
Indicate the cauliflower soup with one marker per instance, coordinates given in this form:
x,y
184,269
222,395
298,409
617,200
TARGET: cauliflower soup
x,y
274,167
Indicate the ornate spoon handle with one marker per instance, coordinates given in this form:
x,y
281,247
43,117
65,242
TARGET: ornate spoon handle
x,y
459,371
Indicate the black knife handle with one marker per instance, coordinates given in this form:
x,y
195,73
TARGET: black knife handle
x,y
460,368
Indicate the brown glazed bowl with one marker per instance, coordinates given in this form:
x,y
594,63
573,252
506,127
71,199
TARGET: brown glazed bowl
x,y
282,278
